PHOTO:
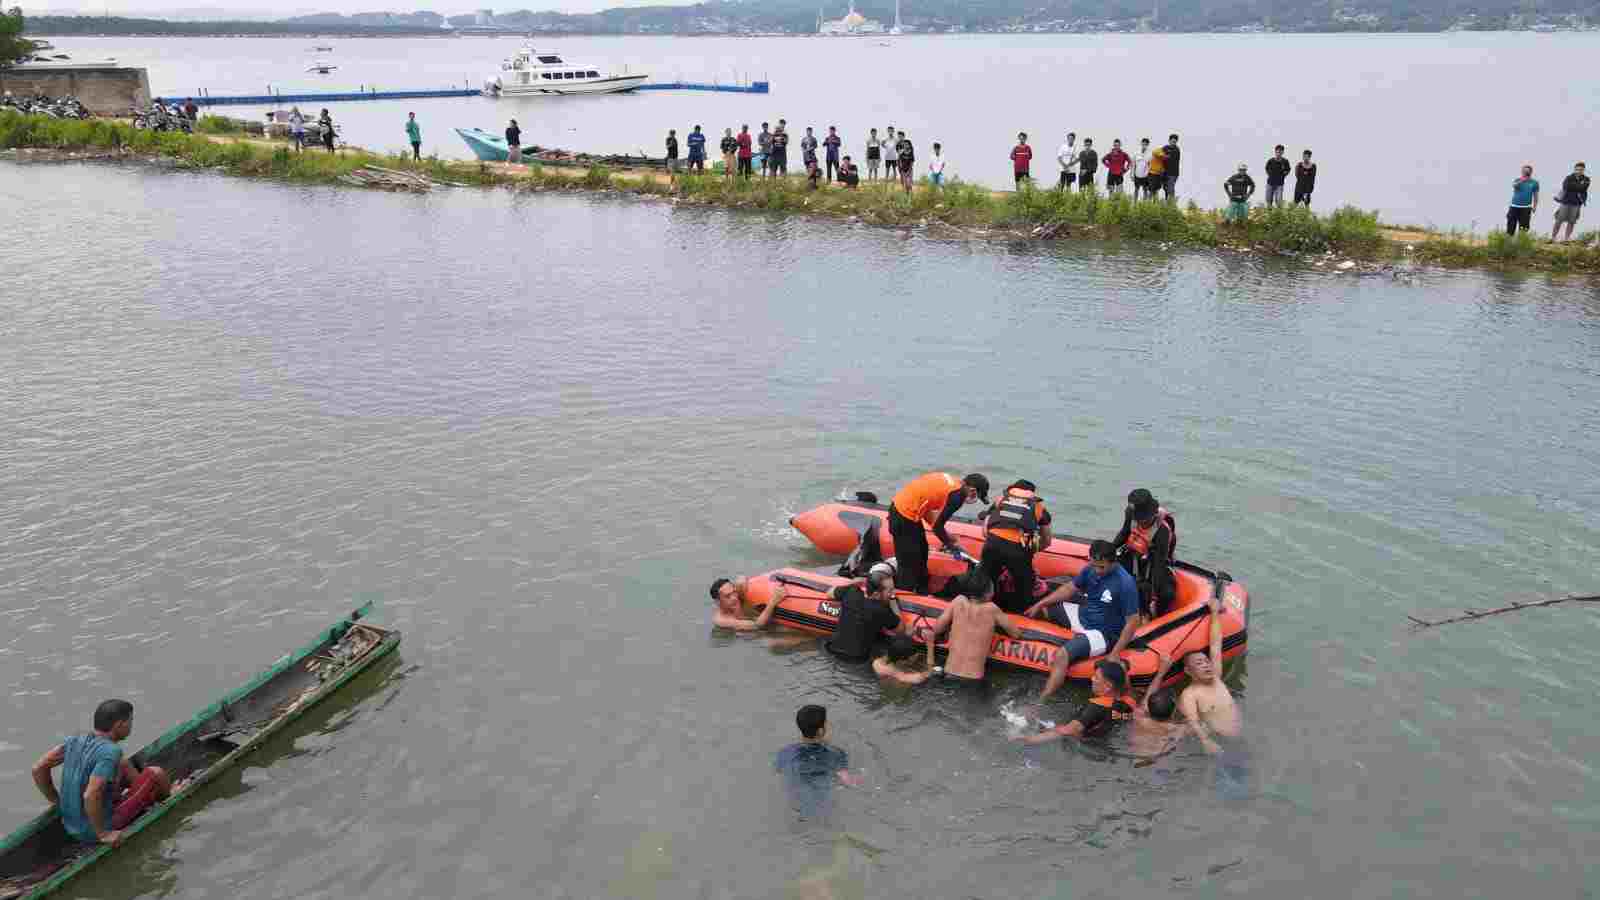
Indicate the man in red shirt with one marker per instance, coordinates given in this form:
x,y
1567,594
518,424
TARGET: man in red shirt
x,y
744,151
1021,156
1116,163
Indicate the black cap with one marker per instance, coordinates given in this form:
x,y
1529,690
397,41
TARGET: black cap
x,y
981,483
1143,503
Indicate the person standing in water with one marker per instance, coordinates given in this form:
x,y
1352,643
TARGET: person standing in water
x,y
1207,705
1109,703
972,619
414,134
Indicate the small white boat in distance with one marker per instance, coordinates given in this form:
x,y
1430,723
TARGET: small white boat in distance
x,y
546,72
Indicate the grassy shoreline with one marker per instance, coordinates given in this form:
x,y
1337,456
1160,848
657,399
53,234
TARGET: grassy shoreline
x,y
1346,232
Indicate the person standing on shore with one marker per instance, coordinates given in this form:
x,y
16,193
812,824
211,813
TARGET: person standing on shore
x,y
1158,171
764,144
1570,202
874,154
326,121
808,150
1524,201
779,163
1239,188
1088,165
1067,158
1116,166
745,152
936,167
297,129
190,110
891,155
831,143
1277,174
1021,156
672,151
414,134
1170,179
730,153
1305,179
908,161
697,150
1141,170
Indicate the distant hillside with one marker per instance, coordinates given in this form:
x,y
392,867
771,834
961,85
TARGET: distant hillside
x,y
1044,16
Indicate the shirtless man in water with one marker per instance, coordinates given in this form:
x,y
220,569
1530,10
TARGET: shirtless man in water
x,y
730,597
971,623
1206,704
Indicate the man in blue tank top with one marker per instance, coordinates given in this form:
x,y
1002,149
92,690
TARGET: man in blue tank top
x,y
101,793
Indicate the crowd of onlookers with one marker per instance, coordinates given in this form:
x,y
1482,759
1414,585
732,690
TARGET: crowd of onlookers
x,y
767,152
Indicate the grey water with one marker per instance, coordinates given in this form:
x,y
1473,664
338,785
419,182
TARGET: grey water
x,y
1428,129
535,427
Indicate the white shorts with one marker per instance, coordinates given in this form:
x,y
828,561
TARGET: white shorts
x,y
1069,612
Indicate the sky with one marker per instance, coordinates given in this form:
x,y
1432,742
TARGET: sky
x,y
255,9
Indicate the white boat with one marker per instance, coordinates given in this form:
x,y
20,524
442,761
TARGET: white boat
x,y
320,67
545,72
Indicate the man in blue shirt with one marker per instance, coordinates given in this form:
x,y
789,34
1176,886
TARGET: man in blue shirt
x,y
697,149
101,793
810,767
1524,200
1101,605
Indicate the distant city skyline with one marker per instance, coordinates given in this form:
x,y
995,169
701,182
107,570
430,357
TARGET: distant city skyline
x,y
245,9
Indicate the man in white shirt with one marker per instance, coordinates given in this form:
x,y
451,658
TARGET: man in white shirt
x,y
1141,171
1067,157
936,167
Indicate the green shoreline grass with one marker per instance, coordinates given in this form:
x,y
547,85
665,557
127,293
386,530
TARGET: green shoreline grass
x,y
1347,231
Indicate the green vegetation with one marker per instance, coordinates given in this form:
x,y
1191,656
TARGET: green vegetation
x,y
14,47
220,125
1346,231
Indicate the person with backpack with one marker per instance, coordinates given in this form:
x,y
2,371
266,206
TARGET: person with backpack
x,y
1017,527
1145,547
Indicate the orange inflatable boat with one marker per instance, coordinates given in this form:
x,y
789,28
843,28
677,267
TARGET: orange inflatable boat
x,y
837,528
807,606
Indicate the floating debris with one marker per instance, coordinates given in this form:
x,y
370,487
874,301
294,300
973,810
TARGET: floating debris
x,y
390,179
68,107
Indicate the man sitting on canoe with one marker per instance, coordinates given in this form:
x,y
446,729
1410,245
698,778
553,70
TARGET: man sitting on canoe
x,y
101,793
971,619
1103,611
928,501
730,597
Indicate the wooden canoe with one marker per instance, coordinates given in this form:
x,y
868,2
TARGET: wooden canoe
x,y
39,857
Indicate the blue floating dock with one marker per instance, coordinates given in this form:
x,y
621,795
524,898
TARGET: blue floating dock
x,y
270,99
754,87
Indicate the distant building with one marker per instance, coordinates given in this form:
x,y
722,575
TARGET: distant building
x,y
852,23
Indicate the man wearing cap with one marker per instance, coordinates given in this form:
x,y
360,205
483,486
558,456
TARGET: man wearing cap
x,y
1145,546
928,501
1239,188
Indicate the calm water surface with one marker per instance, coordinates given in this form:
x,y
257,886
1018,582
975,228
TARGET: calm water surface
x,y
537,426
1428,129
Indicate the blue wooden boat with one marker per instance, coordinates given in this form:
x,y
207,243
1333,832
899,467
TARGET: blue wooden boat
x,y
39,857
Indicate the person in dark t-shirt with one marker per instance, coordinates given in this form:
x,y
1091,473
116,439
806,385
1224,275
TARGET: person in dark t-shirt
x,y
1277,174
864,615
1305,179
810,767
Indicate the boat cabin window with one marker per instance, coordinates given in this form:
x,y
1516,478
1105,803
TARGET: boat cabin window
x,y
545,76
569,75
550,60
593,74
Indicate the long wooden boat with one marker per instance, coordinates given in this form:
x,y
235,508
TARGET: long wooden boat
x,y
39,857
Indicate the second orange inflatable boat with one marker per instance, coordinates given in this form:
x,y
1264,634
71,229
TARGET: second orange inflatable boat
x,y
807,606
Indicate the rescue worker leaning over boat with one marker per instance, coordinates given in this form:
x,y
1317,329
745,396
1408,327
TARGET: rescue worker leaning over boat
x,y
1145,547
1018,527
928,501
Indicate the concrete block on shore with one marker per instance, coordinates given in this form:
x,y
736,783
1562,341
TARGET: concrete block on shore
x,y
106,90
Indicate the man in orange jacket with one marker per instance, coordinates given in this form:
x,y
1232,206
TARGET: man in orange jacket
x,y
928,502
